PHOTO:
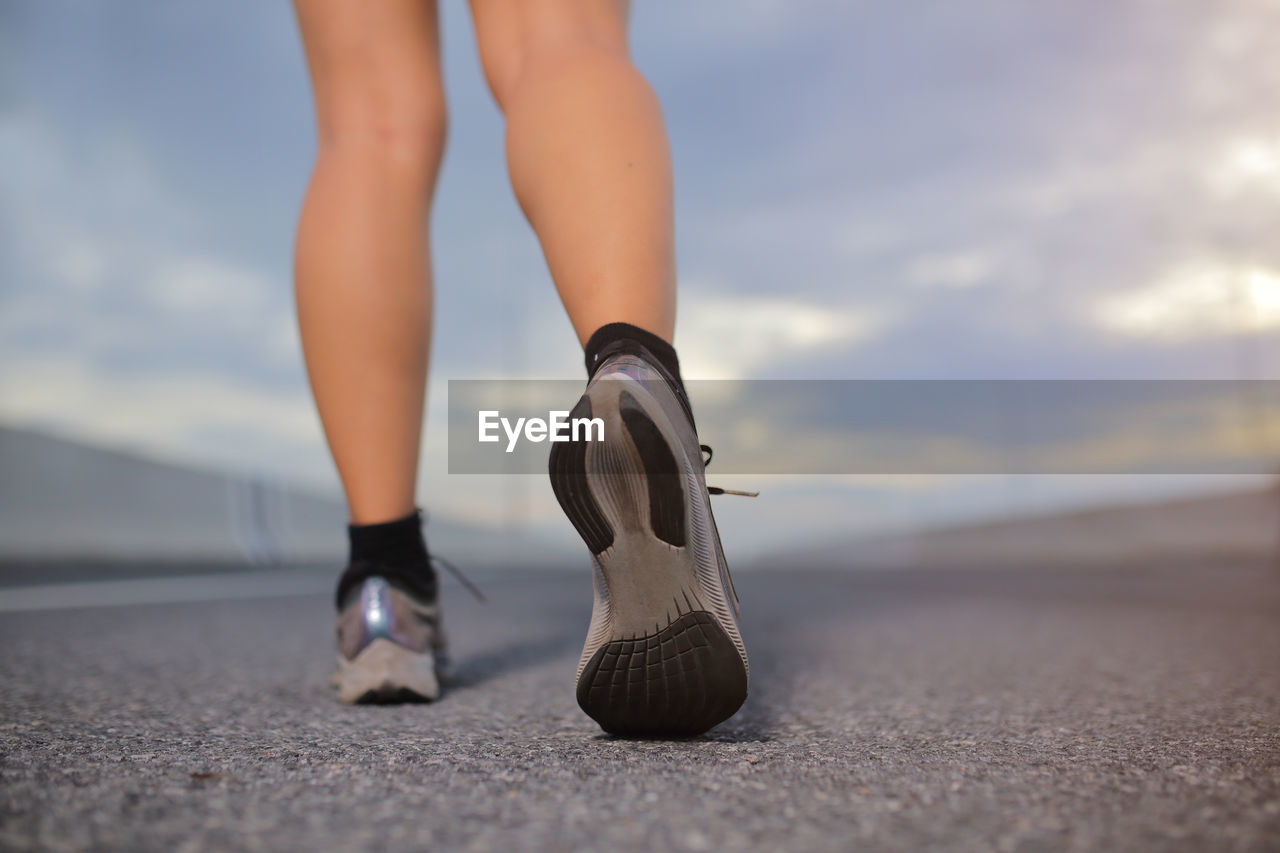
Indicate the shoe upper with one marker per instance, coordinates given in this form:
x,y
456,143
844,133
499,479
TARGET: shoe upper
x,y
380,609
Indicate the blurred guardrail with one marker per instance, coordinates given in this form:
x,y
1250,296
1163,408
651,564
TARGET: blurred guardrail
x,y
60,499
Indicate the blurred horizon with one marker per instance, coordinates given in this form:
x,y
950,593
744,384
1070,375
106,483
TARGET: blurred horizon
x,y
999,191
81,511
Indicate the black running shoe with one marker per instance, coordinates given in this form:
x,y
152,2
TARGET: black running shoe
x,y
663,655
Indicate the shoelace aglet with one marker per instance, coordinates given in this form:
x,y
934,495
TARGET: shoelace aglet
x,y
716,490
461,578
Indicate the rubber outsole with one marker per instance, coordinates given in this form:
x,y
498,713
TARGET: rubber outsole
x,y
568,464
678,682
663,663
666,498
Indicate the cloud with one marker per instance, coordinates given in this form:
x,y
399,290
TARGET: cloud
x,y
1196,299
121,321
1247,164
106,259
725,336
177,414
958,269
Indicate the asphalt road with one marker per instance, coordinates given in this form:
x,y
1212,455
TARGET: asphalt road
x,y
1034,710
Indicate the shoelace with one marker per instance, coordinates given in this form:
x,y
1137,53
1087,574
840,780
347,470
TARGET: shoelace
x,y
716,490
460,577
456,572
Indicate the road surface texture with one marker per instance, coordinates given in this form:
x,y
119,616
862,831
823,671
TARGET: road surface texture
x,y
909,710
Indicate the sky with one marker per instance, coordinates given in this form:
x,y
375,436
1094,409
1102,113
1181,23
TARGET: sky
x,y
921,190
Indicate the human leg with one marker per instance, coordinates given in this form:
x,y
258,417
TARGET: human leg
x,y
363,293
587,154
589,162
362,273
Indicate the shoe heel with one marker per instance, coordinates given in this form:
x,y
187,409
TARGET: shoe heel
x,y
678,682
387,672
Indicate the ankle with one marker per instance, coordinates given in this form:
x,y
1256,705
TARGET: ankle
x,y
395,550
397,541
613,338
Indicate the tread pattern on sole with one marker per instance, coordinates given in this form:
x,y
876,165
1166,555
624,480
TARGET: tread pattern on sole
x,y
677,682
568,464
666,497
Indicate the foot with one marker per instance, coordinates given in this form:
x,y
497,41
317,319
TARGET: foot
x,y
391,646
663,655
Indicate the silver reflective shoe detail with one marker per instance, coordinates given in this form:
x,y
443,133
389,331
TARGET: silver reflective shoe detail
x,y
391,646
378,612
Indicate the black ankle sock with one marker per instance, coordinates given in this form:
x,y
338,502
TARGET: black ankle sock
x,y
395,550
398,541
615,338
623,337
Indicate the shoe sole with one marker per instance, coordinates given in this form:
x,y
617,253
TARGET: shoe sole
x,y
668,659
387,672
